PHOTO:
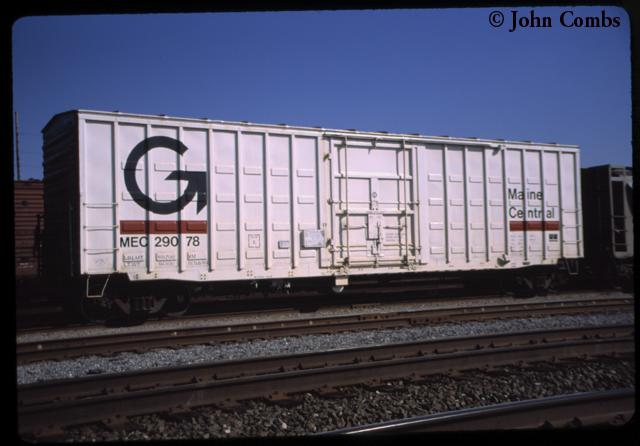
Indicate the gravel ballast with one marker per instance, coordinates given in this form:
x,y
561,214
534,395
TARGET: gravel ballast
x,y
67,369
356,406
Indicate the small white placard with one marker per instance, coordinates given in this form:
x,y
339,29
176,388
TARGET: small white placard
x,y
312,238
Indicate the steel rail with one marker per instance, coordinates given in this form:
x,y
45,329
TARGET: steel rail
x,y
108,344
589,408
47,406
64,389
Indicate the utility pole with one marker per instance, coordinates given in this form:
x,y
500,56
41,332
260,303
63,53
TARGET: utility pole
x,y
17,146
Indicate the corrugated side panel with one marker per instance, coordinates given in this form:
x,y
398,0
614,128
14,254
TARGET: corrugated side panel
x,y
169,199
28,226
485,207
60,167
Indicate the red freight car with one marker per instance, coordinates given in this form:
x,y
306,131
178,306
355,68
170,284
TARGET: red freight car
x,y
29,222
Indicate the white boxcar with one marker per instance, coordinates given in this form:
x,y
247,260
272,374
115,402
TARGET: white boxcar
x,y
200,200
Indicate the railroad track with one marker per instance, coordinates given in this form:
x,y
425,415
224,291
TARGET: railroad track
x,y
45,408
53,319
142,341
577,410
50,315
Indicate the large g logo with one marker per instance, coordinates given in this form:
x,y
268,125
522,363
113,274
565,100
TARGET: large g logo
x,y
197,180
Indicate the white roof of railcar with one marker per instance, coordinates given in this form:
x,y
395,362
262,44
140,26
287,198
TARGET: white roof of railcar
x,y
337,132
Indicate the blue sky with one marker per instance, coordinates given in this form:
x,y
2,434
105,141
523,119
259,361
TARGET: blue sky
x,y
434,72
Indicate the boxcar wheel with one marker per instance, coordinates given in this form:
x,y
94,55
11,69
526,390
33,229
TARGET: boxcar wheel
x,y
96,310
177,304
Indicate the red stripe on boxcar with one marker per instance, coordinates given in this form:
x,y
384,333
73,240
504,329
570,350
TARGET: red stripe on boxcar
x,y
130,227
534,225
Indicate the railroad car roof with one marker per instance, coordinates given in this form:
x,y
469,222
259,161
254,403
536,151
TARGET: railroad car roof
x,y
362,133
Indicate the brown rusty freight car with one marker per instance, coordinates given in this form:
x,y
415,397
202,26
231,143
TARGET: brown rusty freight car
x,y
29,222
